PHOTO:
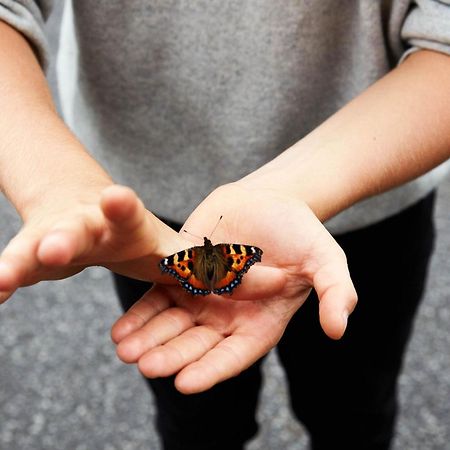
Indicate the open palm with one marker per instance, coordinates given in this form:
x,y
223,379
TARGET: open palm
x,y
206,340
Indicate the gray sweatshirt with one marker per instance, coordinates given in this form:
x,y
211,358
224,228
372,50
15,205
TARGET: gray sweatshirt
x,y
175,98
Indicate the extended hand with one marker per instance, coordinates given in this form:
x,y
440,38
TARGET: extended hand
x,y
209,339
112,229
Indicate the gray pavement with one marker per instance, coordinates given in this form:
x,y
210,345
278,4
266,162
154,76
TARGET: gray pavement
x,y
62,387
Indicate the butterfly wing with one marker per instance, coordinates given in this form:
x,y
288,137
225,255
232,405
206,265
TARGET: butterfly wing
x,y
239,258
181,266
230,263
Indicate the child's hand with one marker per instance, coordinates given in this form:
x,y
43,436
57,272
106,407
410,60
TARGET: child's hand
x,y
209,339
112,229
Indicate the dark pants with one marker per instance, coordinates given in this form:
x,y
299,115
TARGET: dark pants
x,y
344,391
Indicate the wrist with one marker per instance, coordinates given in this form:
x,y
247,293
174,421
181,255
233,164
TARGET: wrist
x,y
44,166
49,180
303,172
391,133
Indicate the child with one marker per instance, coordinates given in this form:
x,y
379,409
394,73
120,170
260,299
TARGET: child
x,y
179,99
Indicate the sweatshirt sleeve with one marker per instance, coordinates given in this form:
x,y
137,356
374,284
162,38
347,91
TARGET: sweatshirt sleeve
x,y
427,26
28,17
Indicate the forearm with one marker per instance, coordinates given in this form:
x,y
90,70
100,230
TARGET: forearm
x,y
40,159
396,130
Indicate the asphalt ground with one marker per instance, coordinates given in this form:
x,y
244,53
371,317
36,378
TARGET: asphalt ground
x,y
62,387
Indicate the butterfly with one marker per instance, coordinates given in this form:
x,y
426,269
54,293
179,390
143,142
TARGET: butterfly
x,y
211,268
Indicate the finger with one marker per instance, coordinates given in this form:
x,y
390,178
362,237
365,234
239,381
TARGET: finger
x,y
5,295
71,238
333,315
12,270
337,297
170,358
148,306
229,358
133,230
159,330
260,282
124,211
64,243
17,262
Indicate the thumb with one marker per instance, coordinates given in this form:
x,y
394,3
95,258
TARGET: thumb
x,y
337,296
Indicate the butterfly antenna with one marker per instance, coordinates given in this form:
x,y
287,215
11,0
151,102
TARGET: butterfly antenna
x,y
192,234
214,229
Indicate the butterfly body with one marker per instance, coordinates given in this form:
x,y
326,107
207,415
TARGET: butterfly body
x,y
219,268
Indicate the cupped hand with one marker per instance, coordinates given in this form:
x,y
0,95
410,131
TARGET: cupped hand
x,y
205,340
111,228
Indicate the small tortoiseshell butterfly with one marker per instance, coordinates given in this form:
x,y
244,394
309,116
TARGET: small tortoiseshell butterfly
x,y
211,268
